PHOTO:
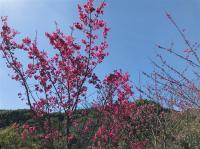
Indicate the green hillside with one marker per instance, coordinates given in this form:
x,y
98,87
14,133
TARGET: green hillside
x,y
181,130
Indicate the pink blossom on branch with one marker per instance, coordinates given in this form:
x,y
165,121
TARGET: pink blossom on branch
x,y
58,83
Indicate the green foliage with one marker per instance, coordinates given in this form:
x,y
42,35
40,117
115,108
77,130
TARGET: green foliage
x,y
189,134
9,139
8,117
175,130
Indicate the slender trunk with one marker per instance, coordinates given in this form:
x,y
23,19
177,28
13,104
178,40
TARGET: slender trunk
x,y
67,131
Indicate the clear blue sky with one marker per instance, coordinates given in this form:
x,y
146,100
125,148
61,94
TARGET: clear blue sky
x,y
136,26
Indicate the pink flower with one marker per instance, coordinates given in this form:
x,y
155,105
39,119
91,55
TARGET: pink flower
x,y
26,41
78,26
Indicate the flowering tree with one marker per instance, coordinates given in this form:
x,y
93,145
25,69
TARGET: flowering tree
x,y
58,83
176,86
125,123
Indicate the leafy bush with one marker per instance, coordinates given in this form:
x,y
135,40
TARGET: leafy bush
x,y
9,139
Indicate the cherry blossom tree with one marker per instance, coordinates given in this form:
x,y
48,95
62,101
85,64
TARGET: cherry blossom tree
x,y
175,85
57,83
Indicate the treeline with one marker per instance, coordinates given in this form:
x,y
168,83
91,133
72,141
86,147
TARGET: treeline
x,y
173,130
8,117
21,116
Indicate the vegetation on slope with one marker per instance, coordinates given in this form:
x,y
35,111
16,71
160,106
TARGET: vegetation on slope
x,y
177,130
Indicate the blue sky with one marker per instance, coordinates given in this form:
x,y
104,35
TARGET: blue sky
x,y
136,26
